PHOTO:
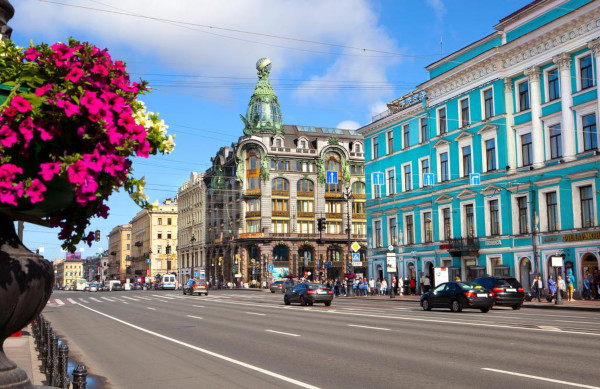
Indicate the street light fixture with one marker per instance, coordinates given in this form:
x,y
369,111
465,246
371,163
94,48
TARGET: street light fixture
x,y
347,197
192,241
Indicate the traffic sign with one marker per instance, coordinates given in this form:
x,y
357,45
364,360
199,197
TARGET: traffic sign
x,y
355,257
475,178
355,246
196,274
148,260
378,178
270,267
332,177
428,179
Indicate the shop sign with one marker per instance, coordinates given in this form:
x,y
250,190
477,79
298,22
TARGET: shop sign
x,y
252,235
556,261
581,236
549,239
493,242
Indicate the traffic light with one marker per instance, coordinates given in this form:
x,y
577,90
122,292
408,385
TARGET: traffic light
x,y
97,236
321,223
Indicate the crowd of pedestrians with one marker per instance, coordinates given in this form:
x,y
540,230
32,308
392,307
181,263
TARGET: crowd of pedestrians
x,y
379,287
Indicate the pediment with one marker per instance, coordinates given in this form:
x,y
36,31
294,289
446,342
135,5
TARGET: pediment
x,y
408,207
464,135
488,127
441,143
445,198
466,194
491,190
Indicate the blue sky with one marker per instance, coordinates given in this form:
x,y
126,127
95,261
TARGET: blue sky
x,y
203,77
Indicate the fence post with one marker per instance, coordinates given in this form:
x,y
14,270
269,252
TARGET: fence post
x,y
54,367
79,377
63,359
48,347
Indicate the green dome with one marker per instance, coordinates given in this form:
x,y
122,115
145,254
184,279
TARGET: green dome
x,y
264,113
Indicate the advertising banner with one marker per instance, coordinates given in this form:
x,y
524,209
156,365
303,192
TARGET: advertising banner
x,y
391,262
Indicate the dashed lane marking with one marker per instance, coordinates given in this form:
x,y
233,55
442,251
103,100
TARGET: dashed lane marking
x,y
282,333
540,378
256,313
154,309
371,328
194,317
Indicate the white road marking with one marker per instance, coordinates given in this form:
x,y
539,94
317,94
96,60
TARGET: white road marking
x,y
83,300
577,321
59,302
282,333
256,313
372,328
72,301
130,298
124,302
550,328
198,306
154,309
95,299
208,352
107,299
195,317
164,297
541,378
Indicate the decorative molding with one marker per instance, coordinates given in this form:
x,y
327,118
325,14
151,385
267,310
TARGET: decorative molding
x,y
466,194
464,135
563,61
594,45
408,207
589,173
488,127
441,143
519,187
425,204
533,74
548,181
491,190
445,198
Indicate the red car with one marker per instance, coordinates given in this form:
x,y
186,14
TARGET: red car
x,y
195,287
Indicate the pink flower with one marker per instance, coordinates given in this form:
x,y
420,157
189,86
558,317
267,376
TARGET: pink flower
x,y
49,170
91,102
89,239
89,185
21,104
99,69
77,173
7,136
31,54
103,211
74,75
36,191
41,91
143,149
26,129
7,196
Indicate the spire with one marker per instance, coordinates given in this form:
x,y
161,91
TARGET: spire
x,y
264,113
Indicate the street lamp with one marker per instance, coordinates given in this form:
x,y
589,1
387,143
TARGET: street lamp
x,y
347,197
192,241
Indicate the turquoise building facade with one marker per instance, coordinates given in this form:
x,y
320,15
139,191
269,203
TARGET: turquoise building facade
x,y
491,165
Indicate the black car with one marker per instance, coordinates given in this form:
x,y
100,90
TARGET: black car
x,y
458,295
507,290
117,287
308,294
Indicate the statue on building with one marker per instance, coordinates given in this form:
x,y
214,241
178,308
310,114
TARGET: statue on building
x,y
321,170
345,170
239,170
264,167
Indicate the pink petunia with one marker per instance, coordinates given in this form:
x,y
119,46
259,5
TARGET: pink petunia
x,y
31,54
103,211
91,102
49,170
8,137
74,75
36,191
7,196
21,104
26,129
77,173
41,91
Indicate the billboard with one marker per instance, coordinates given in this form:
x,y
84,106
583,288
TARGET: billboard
x,y
76,255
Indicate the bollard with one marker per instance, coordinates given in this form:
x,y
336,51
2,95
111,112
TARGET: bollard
x,y
79,377
54,371
48,345
63,359
43,351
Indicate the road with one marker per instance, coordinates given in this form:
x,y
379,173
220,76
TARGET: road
x,y
237,339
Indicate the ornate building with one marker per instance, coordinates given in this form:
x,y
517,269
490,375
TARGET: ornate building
x,y
266,192
191,258
119,253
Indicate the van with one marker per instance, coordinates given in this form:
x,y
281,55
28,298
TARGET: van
x,y
168,281
111,284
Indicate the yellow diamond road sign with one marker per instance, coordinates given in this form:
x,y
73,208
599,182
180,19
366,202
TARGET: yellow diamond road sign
x,y
355,246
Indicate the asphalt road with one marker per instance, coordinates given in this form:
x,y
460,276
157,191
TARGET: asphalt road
x,y
237,339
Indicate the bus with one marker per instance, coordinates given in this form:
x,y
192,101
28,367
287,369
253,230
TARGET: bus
x,y
80,284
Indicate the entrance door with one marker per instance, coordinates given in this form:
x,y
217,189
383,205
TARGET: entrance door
x,y
379,272
525,273
430,273
589,264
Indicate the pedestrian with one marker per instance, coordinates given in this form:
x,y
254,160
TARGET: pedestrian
x,y
393,287
551,288
561,286
413,286
378,286
570,281
426,283
345,283
540,286
384,287
354,286
371,286
535,289
586,293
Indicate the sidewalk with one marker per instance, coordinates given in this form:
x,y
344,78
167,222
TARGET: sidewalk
x,y
21,351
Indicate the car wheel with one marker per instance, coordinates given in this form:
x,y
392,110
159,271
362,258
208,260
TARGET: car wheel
x,y
327,303
310,304
286,301
302,301
455,306
516,307
485,310
272,291
184,292
426,305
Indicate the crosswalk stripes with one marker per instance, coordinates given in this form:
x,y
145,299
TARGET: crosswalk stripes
x,y
95,299
107,299
72,301
164,297
83,300
130,298
59,302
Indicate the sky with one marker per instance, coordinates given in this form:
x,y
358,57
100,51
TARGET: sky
x,y
335,63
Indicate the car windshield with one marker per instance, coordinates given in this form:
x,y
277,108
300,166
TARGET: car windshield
x,y
508,282
316,286
469,286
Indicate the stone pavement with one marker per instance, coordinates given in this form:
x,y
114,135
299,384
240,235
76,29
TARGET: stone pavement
x,y
21,351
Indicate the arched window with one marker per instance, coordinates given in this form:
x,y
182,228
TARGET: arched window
x,y
252,159
277,142
357,148
252,169
280,187
305,187
358,188
280,253
333,163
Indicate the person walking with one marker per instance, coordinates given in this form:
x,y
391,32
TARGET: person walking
x,y
345,283
535,288
371,286
354,286
378,286
413,286
570,281
595,286
384,287
392,287
426,284
551,288
562,288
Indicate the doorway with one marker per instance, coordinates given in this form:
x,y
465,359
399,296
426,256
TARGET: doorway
x,y
525,273
589,263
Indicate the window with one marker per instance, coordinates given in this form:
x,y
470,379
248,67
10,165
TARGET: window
x,y
391,181
306,206
405,137
393,231
333,227
464,112
586,196
586,72
488,103
522,213
552,211
490,154
253,225
494,218
279,206
280,186
424,168
169,235
375,147
590,137
444,173
302,144
526,151
159,235
424,130
277,142
524,96
160,221
377,191
168,221
378,233
390,141
470,220
555,141
410,230
466,152
407,178
553,87
305,227
305,187
427,227
442,125
279,226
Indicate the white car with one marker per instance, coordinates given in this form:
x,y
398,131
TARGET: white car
x,y
127,286
93,288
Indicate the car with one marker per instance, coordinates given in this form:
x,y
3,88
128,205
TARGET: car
x,y
106,288
194,286
308,294
507,290
92,288
289,284
277,286
457,296
127,286
86,288
117,287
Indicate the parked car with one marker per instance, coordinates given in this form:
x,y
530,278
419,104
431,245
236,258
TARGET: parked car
x,y
277,286
308,294
507,290
106,288
195,286
117,287
93,288
457,296
289,284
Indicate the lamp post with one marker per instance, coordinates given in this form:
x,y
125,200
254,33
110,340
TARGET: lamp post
x,y
192,241
347,197
221,266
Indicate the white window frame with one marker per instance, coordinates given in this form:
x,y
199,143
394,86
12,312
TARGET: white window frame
x,y
403,127
375,150
543,214
460,123
437,120
578,70
581,111
515,212
550,121
389,237
517,97
485,137
421,140
358,147
380,220
518,133
441,220
412,183
276,138
487,214
463,224
420,161
387,148
422,224
483,90
405,236
547,85
385,179
440,150
577,201
463,143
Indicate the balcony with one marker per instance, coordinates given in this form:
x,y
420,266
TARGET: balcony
x,y
282,193
280,213
359,196
250,214
252,192
306,151
334,195
305,194
359,155
359,215
460,246
305,215
333,215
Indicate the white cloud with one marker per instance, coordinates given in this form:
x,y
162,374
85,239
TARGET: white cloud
x,y
348,125
438,7
376,108
204,51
